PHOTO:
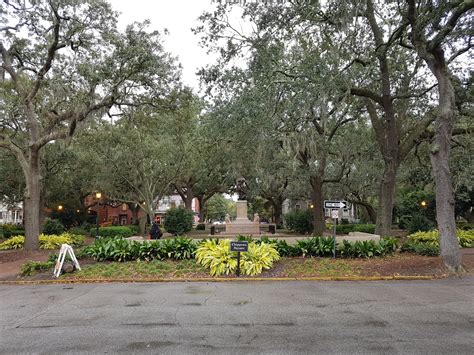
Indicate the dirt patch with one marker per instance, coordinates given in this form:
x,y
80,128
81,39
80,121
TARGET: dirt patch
x,y
12,260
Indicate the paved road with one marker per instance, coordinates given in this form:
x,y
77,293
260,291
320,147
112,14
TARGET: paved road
x,y
426,317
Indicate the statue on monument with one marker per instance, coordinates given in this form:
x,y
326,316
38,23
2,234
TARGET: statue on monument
x,y
242,188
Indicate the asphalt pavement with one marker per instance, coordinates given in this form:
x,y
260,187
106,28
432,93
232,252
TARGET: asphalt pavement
x,y
386,317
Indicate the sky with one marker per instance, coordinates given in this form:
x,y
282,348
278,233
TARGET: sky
x,y
178,17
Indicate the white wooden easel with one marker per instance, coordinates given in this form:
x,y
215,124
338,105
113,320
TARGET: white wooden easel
x,y
65,249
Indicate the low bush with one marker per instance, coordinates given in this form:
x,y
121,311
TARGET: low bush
x,y
465,237
286,250
30,267
348,228
52,226
115,232
257,258
367,248
11,230
300,221
365,228
78,231
421,248
216,255
134,228
118,249
16,242
201,227
315,246
45,241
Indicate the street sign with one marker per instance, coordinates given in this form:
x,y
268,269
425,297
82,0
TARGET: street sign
x,y
334,214
335,204
239,246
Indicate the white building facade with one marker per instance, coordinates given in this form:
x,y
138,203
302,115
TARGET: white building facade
x,y
11,214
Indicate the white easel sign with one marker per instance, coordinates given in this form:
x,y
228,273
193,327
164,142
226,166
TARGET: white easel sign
x,y
65,249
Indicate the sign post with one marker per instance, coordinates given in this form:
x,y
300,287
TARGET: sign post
x,y
239,247
334,216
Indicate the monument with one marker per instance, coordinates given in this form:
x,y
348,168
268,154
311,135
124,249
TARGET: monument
x,y
242,225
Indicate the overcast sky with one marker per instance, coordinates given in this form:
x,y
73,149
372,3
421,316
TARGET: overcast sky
x,y
178,16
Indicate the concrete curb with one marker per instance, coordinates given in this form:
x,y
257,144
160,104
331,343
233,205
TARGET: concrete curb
x,y
210,279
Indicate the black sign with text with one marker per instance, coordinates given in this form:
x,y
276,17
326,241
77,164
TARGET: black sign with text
x,y
239,246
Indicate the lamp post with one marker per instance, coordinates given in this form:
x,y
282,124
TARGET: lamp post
x,y
98,195
423,204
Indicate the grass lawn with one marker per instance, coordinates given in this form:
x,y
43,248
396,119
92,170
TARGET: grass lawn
x,y
139,269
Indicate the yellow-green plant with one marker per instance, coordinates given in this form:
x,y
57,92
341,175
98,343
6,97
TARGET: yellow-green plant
x,y
45,241
465,238
216,256
257,258
16,242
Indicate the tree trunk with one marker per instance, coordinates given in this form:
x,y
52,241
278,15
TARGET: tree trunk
x,y
317,201
188,201
32,202
386,197
439,156
370,210
277,210
201,208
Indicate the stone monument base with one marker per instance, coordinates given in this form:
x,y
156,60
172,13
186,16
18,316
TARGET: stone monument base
x,y
242,225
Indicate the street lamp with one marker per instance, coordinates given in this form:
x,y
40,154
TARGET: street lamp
x,y
98,195
423,204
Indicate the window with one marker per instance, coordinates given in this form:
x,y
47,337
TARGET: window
x,y
297,206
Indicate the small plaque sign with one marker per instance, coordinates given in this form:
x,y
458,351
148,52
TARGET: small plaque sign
x,y
239,246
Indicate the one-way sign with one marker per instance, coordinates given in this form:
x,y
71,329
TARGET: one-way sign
x,y
335,204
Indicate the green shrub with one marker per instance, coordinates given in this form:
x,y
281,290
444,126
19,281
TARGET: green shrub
x,y
118,249
344,228
418,222
287,250
244,238
348,228
52,226
421,248
300,221
365,228
315,246
465,226
367,248
115,232
216,255
134,228
178,221
201,227
8,233
78,231
30,267
178,248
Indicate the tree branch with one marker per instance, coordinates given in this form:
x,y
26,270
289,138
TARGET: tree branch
x,y
368,94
